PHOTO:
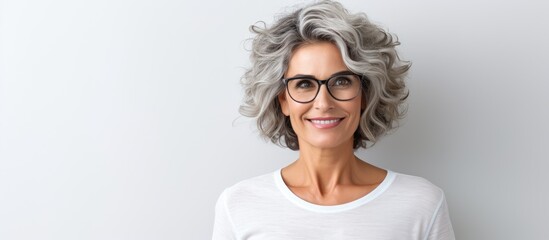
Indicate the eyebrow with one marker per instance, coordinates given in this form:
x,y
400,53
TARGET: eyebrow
x,y
345,72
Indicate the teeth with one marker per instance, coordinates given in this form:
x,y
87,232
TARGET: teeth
x,y
325,121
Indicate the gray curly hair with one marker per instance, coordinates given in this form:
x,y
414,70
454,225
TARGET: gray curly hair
x,y
367,50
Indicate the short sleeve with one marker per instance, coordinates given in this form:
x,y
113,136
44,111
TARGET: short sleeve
x,y
441,226
223,226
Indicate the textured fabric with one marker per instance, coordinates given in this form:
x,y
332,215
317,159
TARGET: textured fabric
x,y
401,207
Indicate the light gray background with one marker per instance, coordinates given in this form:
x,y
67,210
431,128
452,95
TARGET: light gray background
x,y
118,119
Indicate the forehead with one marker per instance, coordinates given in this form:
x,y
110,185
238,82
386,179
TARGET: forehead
x,y
320,59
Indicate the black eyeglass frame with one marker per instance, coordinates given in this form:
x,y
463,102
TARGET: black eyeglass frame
x,y
323,82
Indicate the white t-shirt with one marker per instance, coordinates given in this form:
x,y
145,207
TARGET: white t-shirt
x,y
401,207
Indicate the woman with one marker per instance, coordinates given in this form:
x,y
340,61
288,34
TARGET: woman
x,y
326,82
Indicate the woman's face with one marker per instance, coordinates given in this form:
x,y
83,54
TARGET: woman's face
x,y
325,122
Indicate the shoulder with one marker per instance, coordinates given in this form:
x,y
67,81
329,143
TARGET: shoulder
x,y
252,184
414,185
238,203
420,202
416,191
252,189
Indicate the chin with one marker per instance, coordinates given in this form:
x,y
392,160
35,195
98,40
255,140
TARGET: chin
x,y
325,142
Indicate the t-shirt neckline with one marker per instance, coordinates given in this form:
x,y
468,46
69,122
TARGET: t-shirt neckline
x,y
382,187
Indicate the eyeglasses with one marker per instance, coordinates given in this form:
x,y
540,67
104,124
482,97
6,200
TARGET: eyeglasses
x,y
342,86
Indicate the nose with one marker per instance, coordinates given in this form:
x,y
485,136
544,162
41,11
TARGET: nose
x,y
323,101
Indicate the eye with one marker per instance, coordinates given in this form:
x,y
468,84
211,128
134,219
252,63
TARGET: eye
x,y
303,84
342,81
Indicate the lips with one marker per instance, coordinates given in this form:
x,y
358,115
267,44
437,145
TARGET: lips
x,y
325,122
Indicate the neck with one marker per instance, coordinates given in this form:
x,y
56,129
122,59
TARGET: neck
x,y
322,170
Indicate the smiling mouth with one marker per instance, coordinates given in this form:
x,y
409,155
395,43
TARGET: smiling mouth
x,y
325,123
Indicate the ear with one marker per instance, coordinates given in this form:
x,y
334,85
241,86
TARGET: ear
x,y
283,100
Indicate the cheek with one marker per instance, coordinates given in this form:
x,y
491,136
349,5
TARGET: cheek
x,y
282,100
356,111
295,108
296,112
